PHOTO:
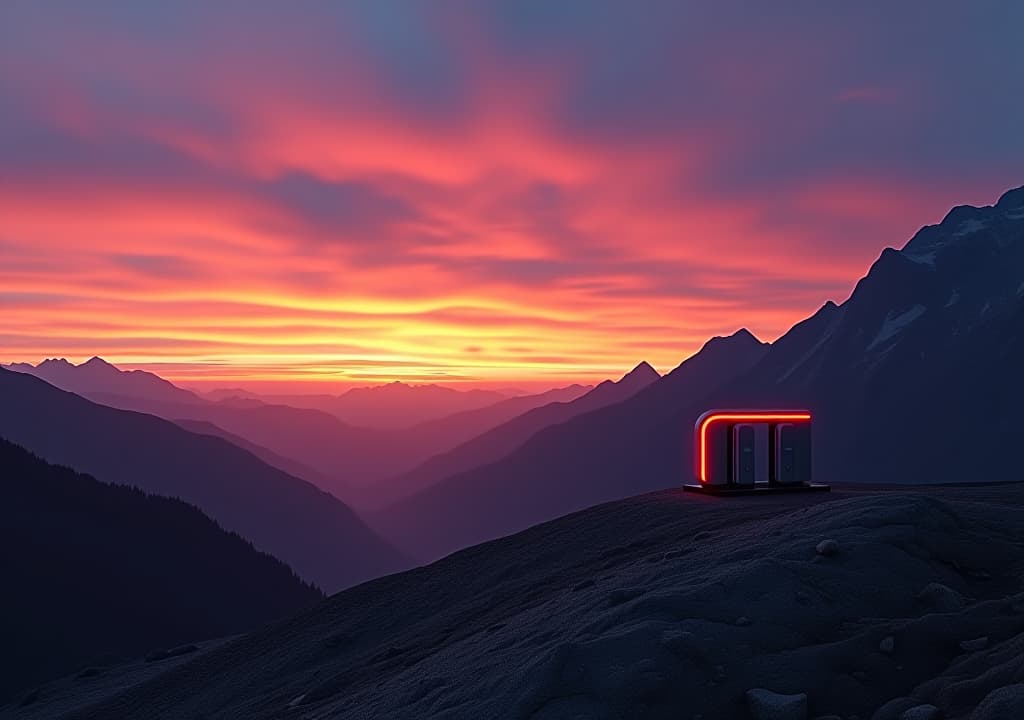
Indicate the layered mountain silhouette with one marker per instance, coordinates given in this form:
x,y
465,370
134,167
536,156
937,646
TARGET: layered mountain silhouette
x,y
587,459
915,378
499,441
341,458
314,532
95,573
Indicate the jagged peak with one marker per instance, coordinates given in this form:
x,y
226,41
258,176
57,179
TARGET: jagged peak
x,y
96,361
741,336
643,371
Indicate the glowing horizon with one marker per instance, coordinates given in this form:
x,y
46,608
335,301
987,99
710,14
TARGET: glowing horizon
x,y
483,194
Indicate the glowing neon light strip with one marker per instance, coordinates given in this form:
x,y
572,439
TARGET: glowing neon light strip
x,y
752,416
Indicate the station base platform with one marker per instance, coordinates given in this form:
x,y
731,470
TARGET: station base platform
x,y
758,489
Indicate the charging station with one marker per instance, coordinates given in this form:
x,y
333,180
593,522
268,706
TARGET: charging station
x,y
745,452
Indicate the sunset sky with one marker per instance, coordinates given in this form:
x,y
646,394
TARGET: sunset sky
x,y
242,193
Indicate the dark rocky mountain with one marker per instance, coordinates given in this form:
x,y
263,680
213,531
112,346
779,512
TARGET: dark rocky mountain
x,y
855,603
496,443
314,532
915,378
99,376
96,573
611,452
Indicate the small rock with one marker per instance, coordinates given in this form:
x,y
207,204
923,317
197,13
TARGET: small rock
x,y
743,621
975,644
941,597
296,701
768,705
894,709
828,548
582,585
672,554
921,712
1004,702
888,644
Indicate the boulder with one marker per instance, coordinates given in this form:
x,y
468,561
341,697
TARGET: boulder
x,y
921,712
941,597
1004,702
768,705
828,548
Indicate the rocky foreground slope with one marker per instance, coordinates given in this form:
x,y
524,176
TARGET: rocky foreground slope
x,y
871,603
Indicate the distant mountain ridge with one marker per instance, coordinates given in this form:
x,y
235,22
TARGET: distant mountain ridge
x,y
318,535
391,406
495,443
94,572
587,459
100,376
339,457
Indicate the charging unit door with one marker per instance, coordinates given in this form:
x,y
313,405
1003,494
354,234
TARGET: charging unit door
x,y
744,454
792,453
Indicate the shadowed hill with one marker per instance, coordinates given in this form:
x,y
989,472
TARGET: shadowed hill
x,y
659,607
95,572
312,531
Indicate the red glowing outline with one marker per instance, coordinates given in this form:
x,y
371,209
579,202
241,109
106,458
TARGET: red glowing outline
x,y
705,420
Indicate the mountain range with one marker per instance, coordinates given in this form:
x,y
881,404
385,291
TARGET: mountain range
x,y
915,377
654,605
494,444
391,406
314,532
344,459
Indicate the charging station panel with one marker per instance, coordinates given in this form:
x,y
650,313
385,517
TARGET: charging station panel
x,y
717,458
744,454
792,446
